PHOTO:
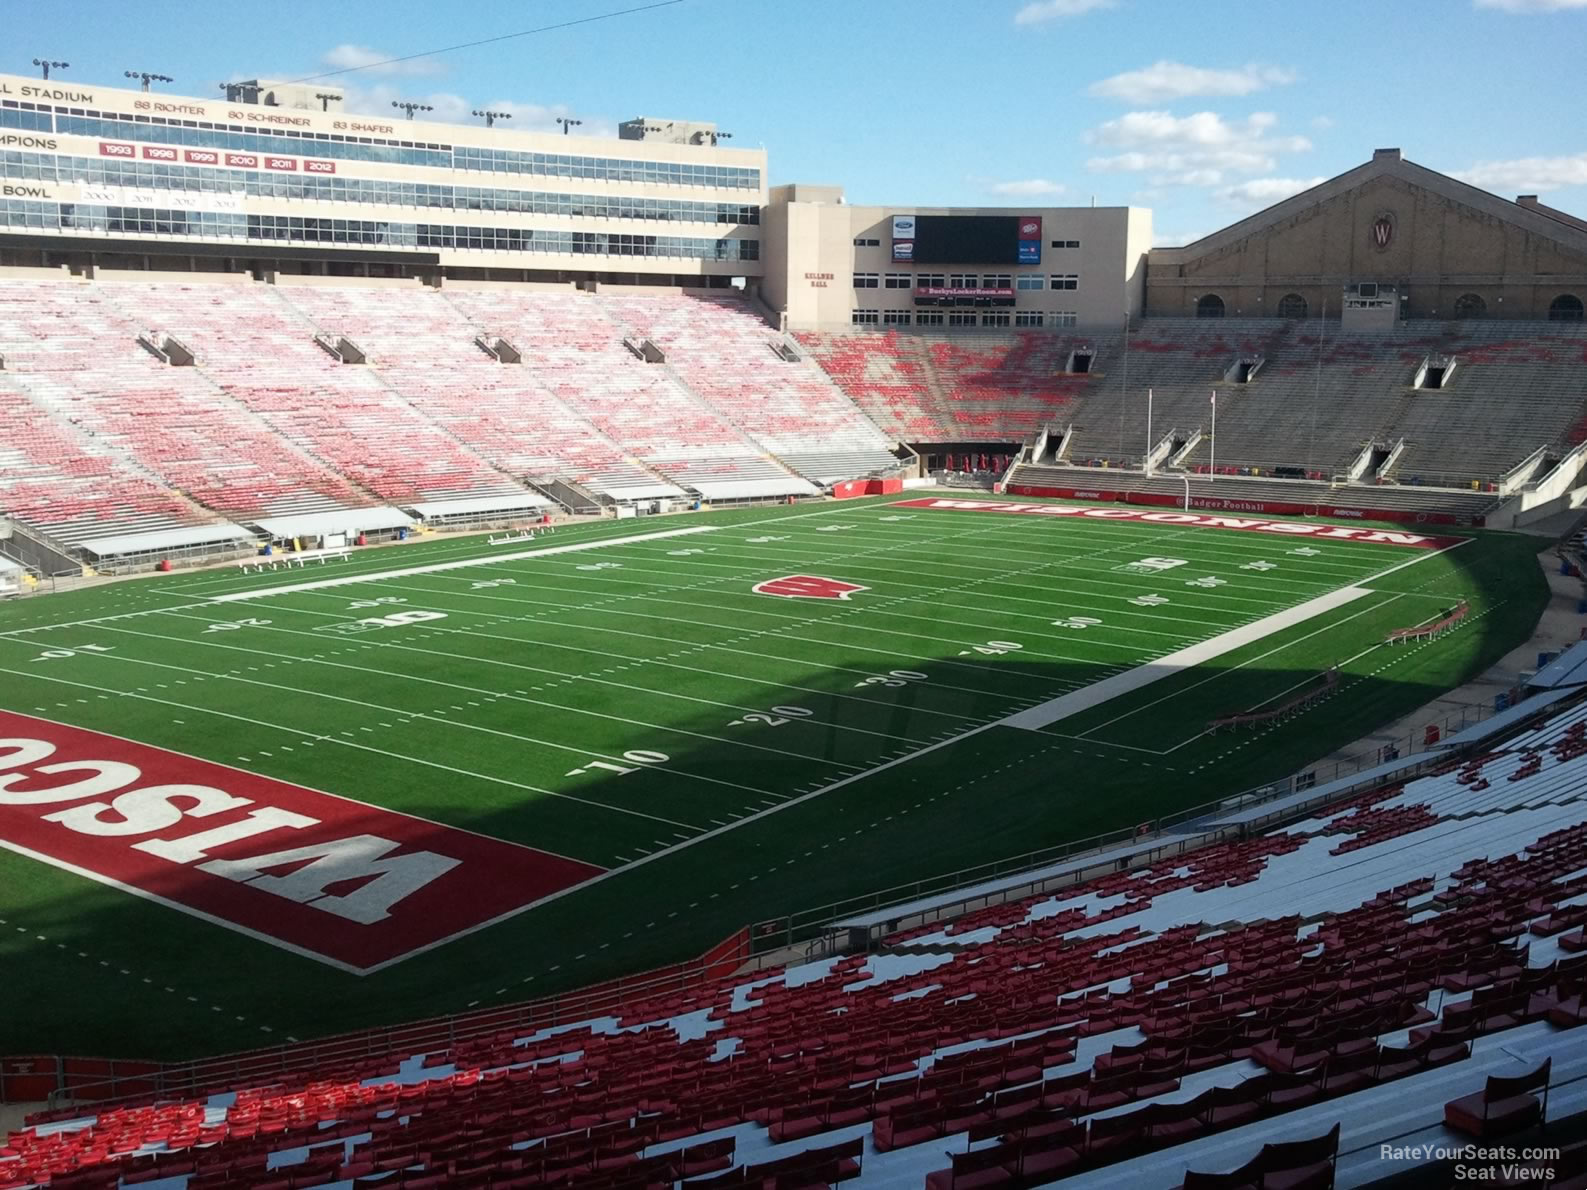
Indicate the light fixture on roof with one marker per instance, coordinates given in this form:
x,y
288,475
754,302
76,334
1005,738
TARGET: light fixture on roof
x,y
410,108
45,64
146,77
325,98
568,123
490,117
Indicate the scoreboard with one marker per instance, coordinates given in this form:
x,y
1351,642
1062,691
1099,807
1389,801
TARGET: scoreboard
x,y
967,239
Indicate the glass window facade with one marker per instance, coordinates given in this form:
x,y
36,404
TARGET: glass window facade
x,y
22,213
93,171
335,146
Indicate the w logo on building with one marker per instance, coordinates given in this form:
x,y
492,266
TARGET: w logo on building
x,y
1383,230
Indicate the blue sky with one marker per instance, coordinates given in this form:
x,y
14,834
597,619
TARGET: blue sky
x,y
1204,110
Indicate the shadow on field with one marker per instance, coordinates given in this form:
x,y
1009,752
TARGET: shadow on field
x,y
999,793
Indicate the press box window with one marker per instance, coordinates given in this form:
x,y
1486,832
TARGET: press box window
x,y
865,317
1030,281
1065,281
867,280
898,281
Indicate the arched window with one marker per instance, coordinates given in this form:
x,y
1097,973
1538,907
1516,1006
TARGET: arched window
x,y
1469,305
1211,306
1565,308
1292,305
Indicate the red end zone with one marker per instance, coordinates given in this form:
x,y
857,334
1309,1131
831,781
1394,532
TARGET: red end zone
x,y
341,881
1204,520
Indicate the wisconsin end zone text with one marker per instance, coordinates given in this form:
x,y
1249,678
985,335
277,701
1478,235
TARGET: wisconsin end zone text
x,y
341,881
1193,520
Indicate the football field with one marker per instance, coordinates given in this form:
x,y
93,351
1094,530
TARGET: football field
x,y
241,807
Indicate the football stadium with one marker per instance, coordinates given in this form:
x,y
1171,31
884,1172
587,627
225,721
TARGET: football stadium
x,y
495,692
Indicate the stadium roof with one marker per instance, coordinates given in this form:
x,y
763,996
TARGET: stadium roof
x,y
752,489
341,520
164,539
1505,719
1384,163
431,509
1569,669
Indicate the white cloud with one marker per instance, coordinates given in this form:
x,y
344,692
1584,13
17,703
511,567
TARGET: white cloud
x,y
1322,123
1529,6
1026,188
1528,174
375,62
1040,11
1193,150
1166,80
1266,191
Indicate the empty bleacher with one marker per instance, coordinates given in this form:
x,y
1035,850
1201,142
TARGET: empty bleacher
x,y
424,346
724,352
269,424
56,479
1516,387
576,352
75,351
978,387
1360,968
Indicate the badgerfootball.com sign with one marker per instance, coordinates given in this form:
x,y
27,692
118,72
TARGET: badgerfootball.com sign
x,y
337,880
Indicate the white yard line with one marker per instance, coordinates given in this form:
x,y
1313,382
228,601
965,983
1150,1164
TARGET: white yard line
x,y
1048,713
439,567
1037,717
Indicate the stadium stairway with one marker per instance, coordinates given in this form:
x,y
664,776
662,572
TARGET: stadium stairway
x,y
1360,968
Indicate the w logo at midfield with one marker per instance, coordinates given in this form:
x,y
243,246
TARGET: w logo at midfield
x,y
807,586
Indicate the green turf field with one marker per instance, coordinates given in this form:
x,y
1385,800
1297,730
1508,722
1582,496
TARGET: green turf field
x,y
728,757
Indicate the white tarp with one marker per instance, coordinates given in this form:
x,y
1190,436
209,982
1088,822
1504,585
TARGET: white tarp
x,y
339,520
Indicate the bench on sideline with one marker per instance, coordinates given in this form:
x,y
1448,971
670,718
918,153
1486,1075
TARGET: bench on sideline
x,y
286,561
1427,631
